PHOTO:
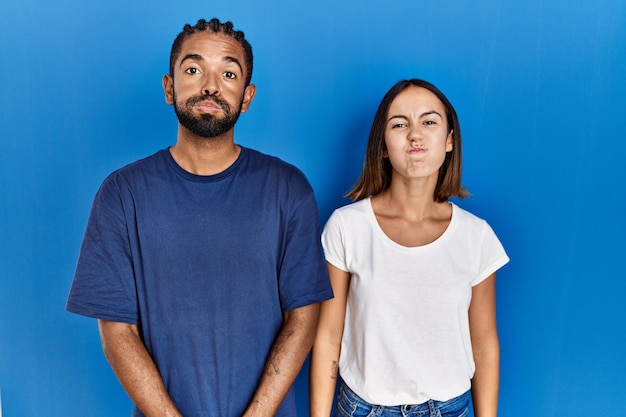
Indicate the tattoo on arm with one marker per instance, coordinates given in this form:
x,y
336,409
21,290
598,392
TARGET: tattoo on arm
x,y
272,367
334,370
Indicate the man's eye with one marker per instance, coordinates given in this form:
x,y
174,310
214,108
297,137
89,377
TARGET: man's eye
x,y
191,70
229,74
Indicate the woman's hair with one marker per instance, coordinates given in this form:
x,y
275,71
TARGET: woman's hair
x,y
376,174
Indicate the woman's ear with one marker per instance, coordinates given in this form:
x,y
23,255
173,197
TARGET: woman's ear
x,y
450,142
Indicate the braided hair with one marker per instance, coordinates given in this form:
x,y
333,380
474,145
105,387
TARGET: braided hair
x,y
215,26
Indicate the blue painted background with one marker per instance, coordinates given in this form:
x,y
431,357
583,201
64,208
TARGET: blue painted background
x,y
540,90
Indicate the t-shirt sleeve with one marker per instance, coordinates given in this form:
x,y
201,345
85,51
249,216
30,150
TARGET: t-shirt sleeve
x,y
303,275
103,285
492,255
333,242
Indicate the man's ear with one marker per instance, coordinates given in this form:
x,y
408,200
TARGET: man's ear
x,y
168,89
248,95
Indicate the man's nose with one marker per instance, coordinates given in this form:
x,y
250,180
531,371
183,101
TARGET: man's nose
x,y
211,86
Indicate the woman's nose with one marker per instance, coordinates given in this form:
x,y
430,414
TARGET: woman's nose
x,y
414,135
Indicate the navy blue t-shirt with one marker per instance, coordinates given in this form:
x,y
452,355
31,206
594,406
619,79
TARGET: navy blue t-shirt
x,y
205,265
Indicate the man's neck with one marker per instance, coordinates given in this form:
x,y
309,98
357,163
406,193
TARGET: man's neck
x,y
205,156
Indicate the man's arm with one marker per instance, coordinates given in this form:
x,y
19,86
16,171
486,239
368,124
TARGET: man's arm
x,y
285,360
135,369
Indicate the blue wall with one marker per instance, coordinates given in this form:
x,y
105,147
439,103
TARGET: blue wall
x,y
538,85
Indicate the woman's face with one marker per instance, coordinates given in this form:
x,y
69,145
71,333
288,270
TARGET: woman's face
x,y
416,134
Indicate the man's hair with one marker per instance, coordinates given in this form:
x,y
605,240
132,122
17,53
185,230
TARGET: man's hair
x,y
214,26
376,174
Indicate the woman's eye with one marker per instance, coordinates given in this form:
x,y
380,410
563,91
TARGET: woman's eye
x,y
398,125
430,122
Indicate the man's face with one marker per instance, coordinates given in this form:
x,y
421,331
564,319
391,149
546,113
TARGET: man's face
x,y
207,87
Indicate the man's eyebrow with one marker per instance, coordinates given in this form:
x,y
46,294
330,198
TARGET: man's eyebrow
x,y
235,60
198,57
193,57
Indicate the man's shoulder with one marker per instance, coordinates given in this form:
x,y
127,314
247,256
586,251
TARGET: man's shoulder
x,y
268,160
133,173
273,164
138,169
141,165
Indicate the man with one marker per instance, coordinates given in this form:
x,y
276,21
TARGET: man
x,y
202,262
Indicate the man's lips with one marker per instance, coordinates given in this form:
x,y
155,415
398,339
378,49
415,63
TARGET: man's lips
x,y
209,106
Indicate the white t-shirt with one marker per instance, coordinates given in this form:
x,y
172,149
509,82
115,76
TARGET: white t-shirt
x,y
406,338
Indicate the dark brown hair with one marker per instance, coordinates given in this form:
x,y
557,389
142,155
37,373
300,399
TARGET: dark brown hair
x,y
376,174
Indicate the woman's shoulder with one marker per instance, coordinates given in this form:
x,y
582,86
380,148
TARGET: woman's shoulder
x,y
357,208
468,221
466,215
352,213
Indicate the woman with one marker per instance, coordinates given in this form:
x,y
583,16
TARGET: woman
x,y
413,323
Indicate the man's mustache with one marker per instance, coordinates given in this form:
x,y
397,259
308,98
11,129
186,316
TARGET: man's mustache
x,y
209,98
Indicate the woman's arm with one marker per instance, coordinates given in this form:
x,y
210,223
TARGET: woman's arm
x,y
135,369
486,347
326,348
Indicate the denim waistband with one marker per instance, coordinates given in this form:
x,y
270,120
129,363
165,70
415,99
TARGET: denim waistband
x,y
428,408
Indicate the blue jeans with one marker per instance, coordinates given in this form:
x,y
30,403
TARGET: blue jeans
x,y
351,405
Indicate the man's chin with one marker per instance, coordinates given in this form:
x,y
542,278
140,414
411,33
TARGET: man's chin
x,y
206,125
208,132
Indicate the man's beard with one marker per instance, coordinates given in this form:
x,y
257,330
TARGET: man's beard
x,y
206,125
